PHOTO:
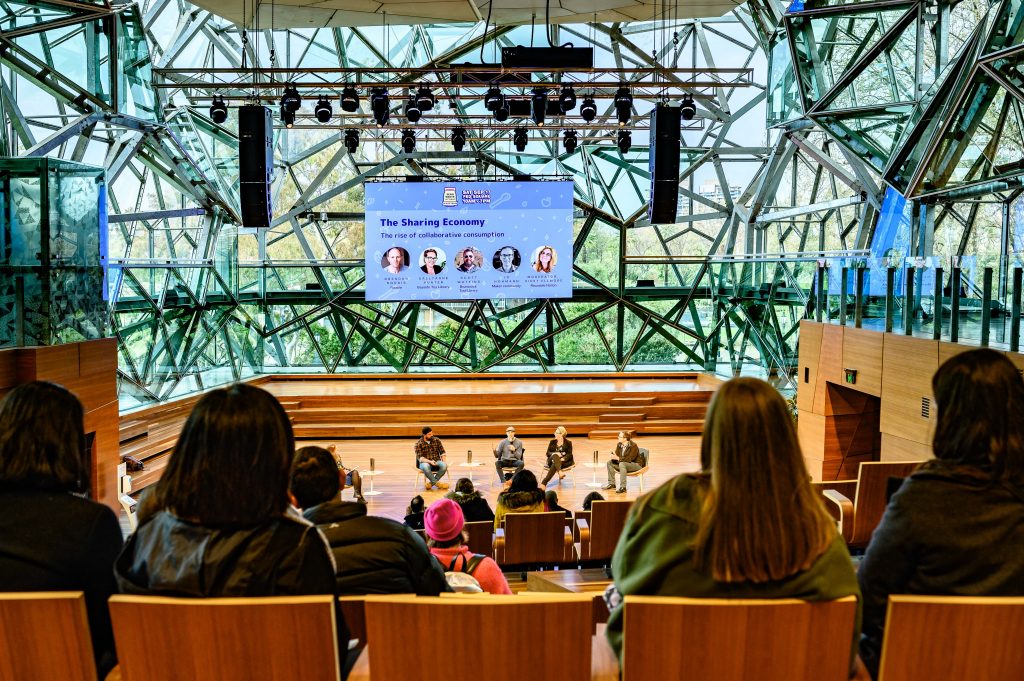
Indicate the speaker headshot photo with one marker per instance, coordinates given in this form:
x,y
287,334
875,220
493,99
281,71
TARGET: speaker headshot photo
x,y
432,261
506,259
544,259
468,260
395,260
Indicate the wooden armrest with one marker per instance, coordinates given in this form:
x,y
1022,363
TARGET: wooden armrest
x,y
567,536
604,666
841,508
584,528
114,674
499,538
361,669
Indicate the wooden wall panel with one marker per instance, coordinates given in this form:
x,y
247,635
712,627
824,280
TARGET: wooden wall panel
x,y
811,434
862,350
948,350
895,448
1016,357
830,364
807,378
909,365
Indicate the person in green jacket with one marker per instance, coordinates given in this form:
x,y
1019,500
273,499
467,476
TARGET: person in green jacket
x,y
749,525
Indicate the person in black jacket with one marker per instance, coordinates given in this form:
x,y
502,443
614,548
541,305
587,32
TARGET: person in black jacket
x,y
218,523
474,507
50,539
414,513
956,525
373,555
559,455
551,503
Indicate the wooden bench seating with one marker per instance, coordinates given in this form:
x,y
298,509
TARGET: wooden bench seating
x,y
45,635
859,515
599,532
534,539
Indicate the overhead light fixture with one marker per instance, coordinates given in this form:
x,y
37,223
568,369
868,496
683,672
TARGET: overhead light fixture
x,y
351,140
425,99
412,110
688,109
287,117
408,140
570,141
290,99
458,138
323,110
539,105
519,138
494,100
218,110
501,114
624,141
567,100
350,100
380,105
623,105
588,109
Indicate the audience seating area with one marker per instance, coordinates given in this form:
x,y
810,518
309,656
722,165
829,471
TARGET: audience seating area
x,y
534,539
599,531
45,635
858,518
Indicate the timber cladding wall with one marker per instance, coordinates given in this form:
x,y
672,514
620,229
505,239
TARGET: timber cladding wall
x,y
892,388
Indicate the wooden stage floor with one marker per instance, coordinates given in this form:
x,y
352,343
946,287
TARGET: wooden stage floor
x,y
670,454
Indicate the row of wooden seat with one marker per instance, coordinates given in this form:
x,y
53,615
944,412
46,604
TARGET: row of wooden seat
x,y
45,636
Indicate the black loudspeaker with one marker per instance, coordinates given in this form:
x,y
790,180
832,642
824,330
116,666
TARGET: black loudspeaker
x,y
255,164
664,164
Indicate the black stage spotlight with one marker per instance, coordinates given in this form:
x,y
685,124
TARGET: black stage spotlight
x,y
351,140
570,142
625,141
291,99
218,110
588,109
425,99
323,110
350,100
380,104
287,117
412,110
408,140
458,138
519,138
567,100
494,100
688,109
501,113
539,104
623,105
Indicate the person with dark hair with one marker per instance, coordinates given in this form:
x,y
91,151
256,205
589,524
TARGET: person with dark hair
x,y
474,507
508,454
588,501
414,513
522,496
624,461
430,459
749,525
956,525
51,539
372,555
219,522
551,503
447,541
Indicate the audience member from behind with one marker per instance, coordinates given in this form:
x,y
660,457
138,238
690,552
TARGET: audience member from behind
x,y
748,526
551,503
414,513
219,522
474,507
956,525
372,555
51,539
447,541
588,501
522,496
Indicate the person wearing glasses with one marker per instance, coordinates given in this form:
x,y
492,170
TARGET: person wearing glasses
x,y
430,265
467,261
506,260
546,259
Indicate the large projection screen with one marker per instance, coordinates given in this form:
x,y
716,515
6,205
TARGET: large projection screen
x,y
468,240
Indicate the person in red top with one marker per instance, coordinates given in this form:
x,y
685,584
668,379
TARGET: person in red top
x,y
446,539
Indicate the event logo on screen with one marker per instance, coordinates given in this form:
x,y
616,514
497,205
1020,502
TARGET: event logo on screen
x,y
468,240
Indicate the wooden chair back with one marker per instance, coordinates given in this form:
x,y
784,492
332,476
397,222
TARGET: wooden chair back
x,y
947,638
45,635
226,639
577,516
606,522
870,502
481,537
475,631
535,539
736,640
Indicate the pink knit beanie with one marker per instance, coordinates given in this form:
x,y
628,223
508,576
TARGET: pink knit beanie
x,y
443,521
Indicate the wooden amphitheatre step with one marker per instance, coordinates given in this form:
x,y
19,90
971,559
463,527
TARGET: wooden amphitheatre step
x,y
633,401
130,430
620,417
609,434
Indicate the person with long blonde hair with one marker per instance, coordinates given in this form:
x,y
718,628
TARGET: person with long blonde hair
x,y
748,525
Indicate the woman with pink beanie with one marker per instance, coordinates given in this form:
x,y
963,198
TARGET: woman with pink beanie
x,y
443,522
